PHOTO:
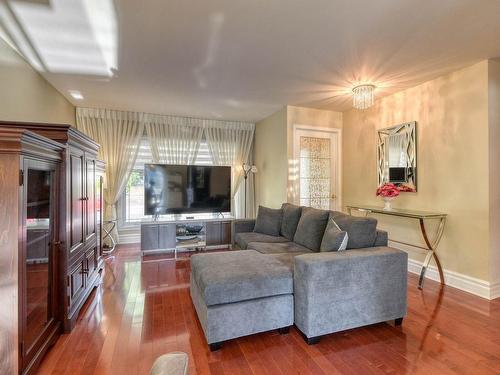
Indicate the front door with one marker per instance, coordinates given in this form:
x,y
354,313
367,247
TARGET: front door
x,y
316,180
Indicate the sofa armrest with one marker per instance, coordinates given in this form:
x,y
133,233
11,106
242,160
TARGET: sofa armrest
x,y
242,225
341,290
382,238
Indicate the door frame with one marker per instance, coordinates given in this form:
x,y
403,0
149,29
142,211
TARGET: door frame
x,y
338,167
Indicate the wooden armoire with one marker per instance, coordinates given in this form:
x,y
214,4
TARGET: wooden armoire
x,y
53,210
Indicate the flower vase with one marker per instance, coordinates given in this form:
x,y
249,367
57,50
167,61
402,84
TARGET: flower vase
x,y
387,203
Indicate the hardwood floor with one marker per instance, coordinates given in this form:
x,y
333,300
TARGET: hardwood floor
x,y
143,310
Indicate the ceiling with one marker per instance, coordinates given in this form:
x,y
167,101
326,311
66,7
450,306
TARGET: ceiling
x,y
243,60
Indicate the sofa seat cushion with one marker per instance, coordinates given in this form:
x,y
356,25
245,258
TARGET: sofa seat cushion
x,y
362,231
239,276
277,248
311,228
243,239
288,258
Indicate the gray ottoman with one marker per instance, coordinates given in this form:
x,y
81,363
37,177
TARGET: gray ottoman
x,y
240,293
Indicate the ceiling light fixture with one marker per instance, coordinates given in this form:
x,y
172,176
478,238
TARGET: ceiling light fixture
x,y
76,94
362,97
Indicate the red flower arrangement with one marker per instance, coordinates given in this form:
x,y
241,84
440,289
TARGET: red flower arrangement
x,y
388,191
406,188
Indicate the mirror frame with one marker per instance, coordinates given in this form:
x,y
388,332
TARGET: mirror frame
x,y
411,129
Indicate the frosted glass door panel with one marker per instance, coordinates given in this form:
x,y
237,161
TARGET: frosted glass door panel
x,y
314,172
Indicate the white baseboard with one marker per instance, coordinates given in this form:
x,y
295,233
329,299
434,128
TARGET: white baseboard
x,y
128,238
495,290
478,287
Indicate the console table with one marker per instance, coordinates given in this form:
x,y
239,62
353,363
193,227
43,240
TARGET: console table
x,y
421,216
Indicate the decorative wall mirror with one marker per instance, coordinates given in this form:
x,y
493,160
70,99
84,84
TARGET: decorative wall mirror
x,y
397,156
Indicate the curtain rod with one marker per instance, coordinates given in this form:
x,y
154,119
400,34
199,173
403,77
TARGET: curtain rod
x,y
148,114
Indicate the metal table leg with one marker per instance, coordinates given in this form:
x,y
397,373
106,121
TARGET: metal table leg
x,y
431,247
108,235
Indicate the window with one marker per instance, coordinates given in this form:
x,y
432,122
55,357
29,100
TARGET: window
x,y
132,201
134,196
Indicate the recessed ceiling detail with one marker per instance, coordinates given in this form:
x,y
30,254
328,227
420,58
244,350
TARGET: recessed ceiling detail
x,y
243,60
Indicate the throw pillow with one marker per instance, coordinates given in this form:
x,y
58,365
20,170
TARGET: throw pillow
x,y
362,231
311,228
268,221
291,217
334,238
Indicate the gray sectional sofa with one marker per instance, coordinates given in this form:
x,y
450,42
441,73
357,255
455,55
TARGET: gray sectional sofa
x,y
289,273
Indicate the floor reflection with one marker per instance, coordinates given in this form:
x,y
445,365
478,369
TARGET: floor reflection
x,y
143,310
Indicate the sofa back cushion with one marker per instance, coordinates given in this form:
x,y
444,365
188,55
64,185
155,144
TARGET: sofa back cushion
x,y
291,217
268,221
311,228
362,231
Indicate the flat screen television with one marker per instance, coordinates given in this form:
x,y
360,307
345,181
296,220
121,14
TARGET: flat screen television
x,y
186,189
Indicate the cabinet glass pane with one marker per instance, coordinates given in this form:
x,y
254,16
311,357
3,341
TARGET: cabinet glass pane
x,y
38,256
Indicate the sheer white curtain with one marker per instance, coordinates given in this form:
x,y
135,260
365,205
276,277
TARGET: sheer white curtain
x,y
119,134
229,144
174,140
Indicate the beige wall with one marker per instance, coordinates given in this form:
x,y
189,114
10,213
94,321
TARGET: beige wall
x,y
494,162
26,95
273,150
315,118
270,157
311,117
452,130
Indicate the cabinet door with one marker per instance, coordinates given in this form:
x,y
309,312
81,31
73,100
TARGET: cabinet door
x,y
225,233
213,233
91,260
90,203
76,188
38,305
166,236
149,237
77,278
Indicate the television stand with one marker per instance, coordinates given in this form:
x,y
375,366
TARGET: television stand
x,y
185,234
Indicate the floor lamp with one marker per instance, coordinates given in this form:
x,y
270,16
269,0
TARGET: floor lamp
x,y
247,169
